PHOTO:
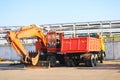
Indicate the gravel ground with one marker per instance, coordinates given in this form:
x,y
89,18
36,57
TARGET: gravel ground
x,y
109,70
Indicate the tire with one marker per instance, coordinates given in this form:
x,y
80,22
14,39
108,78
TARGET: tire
x,y
69,63
101,58
52,60
87,63
101,61
103,55
90,62
95,59
76,64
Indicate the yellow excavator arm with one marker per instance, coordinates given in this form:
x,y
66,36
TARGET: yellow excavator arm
x,y
13,39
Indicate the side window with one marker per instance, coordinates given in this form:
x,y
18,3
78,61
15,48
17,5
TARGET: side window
x,y
57,41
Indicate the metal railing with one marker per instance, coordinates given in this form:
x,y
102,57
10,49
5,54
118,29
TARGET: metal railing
x,y
103,27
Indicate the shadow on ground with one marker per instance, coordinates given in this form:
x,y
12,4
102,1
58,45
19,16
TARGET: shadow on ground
x,y
11,67
101,67
104,66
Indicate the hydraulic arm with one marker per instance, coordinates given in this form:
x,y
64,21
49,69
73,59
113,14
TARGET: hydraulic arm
x,y
27,31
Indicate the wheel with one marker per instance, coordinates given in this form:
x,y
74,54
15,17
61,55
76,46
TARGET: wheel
x,y
76,64
87,63
52,60
69,63
101,61
61,59
95,59
101,57
90,62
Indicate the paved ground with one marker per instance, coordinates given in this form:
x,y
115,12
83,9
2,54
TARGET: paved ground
x,y
110,70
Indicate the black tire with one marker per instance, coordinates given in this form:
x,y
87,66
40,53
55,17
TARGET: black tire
x,y
90,62
95,59
52,60
87,63
69,63
101,61
101,57
95,62
76,64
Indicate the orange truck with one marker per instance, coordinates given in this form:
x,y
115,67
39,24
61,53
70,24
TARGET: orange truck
x,y
56,49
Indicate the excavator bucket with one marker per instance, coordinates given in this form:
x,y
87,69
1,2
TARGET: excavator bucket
x,y
36,62
34,57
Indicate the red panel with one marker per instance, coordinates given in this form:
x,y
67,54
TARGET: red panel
x,y
83,44
74,44
65,45
80,44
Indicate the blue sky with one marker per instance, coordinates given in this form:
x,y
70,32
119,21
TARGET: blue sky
x,y
25,12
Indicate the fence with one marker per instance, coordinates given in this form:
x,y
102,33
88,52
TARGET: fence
x,y
7,52
112,47
112,50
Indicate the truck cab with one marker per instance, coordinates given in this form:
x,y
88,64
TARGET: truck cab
x,y
54,41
